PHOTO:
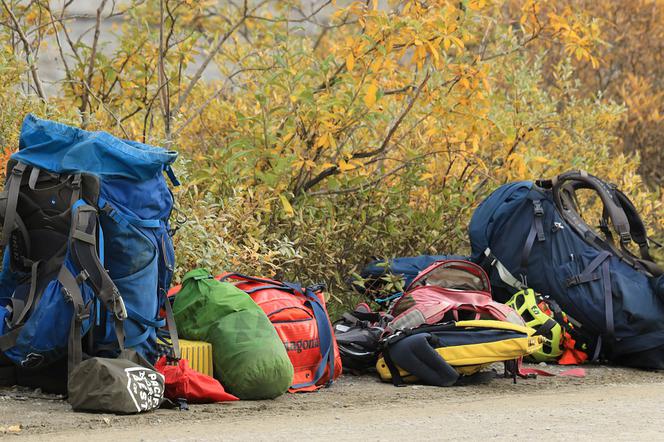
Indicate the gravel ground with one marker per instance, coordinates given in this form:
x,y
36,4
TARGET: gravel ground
x,y
616,403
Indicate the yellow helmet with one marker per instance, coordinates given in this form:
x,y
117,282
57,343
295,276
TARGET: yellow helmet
x,y
525,304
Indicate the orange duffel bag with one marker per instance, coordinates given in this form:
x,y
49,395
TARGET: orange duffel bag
x,y
300,317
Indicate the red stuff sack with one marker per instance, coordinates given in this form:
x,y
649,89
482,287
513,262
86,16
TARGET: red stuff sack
x,y
182,382
300,317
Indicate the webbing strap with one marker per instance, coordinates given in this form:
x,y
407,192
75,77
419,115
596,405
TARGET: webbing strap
x,y
11,195
326,340
18,316
124,219
588,274
86,257
608,300
8,340
72,293
34,177
536,230
397,380
504,274
172,328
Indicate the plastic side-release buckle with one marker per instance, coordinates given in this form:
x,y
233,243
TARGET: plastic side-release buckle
x,y
537,208
625,238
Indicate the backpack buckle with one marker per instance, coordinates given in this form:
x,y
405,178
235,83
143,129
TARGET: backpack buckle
x,y
573,280
537,208
82,277
17,171
82,312
67,294
625,238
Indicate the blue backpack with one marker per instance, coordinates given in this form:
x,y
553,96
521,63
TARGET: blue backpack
x,y
532,235
88,255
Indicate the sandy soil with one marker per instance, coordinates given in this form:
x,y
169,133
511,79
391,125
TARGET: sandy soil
x,y
615,403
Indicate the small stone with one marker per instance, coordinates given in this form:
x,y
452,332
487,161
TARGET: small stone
x,y
107,421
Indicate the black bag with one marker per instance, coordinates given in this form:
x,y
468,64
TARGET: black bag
x,y
126,385
358,335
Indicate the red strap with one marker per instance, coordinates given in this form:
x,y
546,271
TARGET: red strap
x,y
574,372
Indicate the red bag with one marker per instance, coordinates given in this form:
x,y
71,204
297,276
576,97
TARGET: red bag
x,y
300,317
182,382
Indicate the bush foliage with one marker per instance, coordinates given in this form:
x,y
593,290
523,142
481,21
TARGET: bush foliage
x,y
315,135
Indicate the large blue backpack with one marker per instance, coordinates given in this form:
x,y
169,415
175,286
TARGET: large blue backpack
x,y
532,235
88,256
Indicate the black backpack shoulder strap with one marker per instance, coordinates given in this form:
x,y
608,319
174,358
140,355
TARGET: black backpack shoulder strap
x,y
566,184
9,200
86,257
639,234
616,207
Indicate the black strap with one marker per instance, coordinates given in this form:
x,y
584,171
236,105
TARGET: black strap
x,y
11,197
8,340
546,329
590,274
75,189
72,293
397,380
172,328
616,207
608,300
536,231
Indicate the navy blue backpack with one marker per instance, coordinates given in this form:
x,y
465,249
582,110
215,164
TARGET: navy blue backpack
x,y
88,255
532,235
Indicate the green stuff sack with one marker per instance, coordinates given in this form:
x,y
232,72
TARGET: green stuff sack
x,y
249,358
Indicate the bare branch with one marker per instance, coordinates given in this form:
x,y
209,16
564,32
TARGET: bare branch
x,y
91,61
28,52
199,72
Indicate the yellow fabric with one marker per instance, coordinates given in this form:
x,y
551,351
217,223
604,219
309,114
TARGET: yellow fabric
x,y
502,325
199,355
471,358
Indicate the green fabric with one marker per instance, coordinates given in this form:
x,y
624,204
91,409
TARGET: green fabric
x,y
249,358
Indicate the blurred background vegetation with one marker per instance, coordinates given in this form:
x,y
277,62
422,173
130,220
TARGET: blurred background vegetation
x,y
314,135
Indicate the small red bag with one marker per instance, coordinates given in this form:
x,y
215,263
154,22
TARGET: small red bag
x,y
182,382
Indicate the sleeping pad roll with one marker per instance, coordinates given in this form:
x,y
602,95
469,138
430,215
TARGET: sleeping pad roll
x,y
249,358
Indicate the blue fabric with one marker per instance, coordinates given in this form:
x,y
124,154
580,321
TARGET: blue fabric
x,y
408,267
64,149
415,355
7,278
43,338
135,247
503,222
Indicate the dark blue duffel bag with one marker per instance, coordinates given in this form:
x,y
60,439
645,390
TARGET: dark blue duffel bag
x,y
531,235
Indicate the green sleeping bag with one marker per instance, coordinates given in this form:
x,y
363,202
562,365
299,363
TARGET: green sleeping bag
x,y
249,358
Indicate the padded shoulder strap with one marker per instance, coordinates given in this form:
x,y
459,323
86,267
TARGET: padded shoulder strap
x,y
9,200
565,185
616,206
86,257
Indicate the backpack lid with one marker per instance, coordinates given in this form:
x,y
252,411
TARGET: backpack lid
x,y
64,149
453,274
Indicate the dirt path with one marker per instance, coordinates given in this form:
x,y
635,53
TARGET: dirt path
x,y
613,403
